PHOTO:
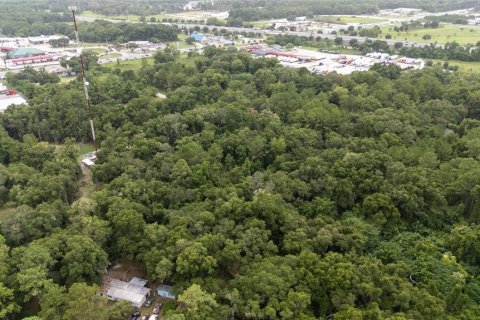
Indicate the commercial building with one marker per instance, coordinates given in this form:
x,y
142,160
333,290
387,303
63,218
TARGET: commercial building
x,y
19,53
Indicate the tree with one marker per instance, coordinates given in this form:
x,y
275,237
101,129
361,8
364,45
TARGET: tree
x,y
167,55
127,227
193,260
398,45
463,242
82,303
90,59
7,302
199,305
353,43
83,261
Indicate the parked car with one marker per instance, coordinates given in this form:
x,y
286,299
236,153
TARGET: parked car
x,y
147,303
157,308
153,317
135,315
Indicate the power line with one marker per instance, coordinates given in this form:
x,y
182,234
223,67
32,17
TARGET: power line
x,y
73,9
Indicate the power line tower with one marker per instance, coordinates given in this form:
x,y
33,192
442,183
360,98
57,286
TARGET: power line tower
x,y
73,9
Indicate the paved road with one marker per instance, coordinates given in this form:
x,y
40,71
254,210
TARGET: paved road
x,y
271,32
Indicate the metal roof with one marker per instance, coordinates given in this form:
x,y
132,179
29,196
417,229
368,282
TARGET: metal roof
x,y
121,290
18,52
165,291
138,282
6,101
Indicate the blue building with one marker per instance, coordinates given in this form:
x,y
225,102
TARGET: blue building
x,y
197,36
165,292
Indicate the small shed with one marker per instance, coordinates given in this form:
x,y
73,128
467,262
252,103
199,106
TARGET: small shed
x,y
87,163
165,291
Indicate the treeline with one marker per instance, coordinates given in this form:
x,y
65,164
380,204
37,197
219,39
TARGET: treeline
x,y
450,51
29,77
448,18
251,10
100,31
258,191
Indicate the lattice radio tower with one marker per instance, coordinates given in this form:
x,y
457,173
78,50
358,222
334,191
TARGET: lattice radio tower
x,y
73,9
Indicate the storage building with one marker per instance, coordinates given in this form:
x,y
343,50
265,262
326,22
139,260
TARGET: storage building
x,y
165,291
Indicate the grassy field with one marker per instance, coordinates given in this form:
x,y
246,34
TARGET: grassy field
x,y
181,43
95,15
87,45
262,24
111,55
129,64
130,17
468,67
66,79
137,63
84,148
189,62
444,34
360,19
96,50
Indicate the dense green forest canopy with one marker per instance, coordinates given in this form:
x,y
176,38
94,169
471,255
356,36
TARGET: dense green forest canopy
x,y
258,191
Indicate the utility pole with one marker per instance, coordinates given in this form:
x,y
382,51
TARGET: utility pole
x,y
73,9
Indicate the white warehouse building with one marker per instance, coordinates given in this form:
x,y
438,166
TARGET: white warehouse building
x,y
134,291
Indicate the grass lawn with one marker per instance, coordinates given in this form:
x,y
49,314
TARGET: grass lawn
x,y
360,19
262,24
129,64
188,61
111,55
183,45
86,45
446,33
66,79
182,36
130,17
96,50
468,67
84,148
91,14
